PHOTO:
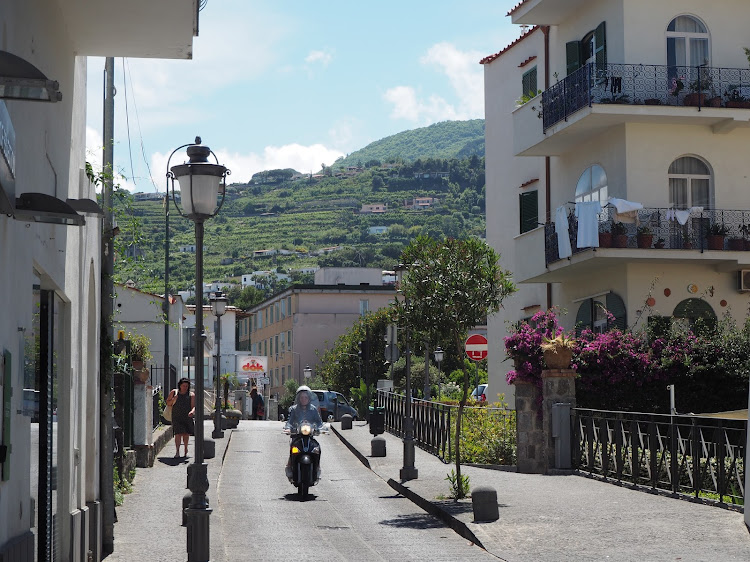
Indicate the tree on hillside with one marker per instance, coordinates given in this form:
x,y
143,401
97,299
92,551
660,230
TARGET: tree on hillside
x,y
451,286
245,298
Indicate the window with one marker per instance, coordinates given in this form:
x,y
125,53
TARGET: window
x,y
270,345
592,314
364,307
289,305
283,374
695,314
591,49
283,308
528,204
528,83
592,185
687,44
289,339
689,183
283,342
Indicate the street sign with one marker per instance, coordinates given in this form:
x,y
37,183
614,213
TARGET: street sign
x,y
264,380
476,347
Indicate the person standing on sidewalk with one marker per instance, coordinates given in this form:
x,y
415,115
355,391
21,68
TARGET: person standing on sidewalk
x,y
257,406
183,410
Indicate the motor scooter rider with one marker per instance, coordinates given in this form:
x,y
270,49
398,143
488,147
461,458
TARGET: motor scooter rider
x,y
303,409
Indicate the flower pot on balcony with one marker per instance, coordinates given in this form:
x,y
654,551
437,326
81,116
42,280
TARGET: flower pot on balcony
x,y
619,240
736,244
652,101
645,240
605,239
695,99
738,104
714,242
714,101
558,359
140,372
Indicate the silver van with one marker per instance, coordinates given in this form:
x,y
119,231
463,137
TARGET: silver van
x,y
333,405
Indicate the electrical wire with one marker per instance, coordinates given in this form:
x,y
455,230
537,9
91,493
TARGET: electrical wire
x,y
140,136
127,121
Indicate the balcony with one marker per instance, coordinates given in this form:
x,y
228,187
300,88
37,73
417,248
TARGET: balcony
x,y
670,242
597,97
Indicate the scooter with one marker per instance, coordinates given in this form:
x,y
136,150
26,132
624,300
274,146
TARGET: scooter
x,y
304,451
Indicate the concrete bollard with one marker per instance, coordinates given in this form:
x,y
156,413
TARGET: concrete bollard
x,y
346,421
484,504
209,449
377,445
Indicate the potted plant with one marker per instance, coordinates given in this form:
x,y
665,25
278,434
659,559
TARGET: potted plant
x,y
140,353
676,86
659,244
558,351
734,97
715,236
745,231
605,239
699,89
644,237
619,235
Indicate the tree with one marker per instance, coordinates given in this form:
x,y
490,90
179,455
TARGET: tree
x,y
451,286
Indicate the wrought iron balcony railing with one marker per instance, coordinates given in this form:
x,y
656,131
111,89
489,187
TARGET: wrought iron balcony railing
x,y
645,84
672,229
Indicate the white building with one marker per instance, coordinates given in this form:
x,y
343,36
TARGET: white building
x,y
228,344
349,276
50,247
616,121
142,313
258,279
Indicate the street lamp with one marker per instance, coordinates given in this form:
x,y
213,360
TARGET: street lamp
x,y
307,372
218,307
438,359
200,184
408,471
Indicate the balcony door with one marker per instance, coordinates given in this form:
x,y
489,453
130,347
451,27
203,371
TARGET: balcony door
x,y
688,44
689,183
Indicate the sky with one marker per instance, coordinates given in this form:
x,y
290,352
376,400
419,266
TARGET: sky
x,y
297,84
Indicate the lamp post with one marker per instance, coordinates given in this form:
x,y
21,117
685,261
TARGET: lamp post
x,y
408,471
200,183
218,307
438,359
307,372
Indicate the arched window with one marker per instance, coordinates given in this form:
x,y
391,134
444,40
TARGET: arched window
x,y
688,42
592,185
689,183
593,314
690,311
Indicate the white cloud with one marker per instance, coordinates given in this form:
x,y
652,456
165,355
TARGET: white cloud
x,y
465,77
243,166
320,57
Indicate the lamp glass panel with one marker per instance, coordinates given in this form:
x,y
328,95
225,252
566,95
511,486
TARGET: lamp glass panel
x,y
202,199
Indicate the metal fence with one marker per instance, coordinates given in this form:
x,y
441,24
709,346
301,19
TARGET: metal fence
x,y
645,84
695,456
434,427
670,229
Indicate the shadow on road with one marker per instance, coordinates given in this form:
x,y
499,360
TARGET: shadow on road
x,y
294,497
418,521
172,461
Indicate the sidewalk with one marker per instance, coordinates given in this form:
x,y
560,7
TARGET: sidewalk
x,y
572,517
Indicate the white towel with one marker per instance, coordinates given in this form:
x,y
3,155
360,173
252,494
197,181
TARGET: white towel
x,y
624,206
588,224
682,215
563,238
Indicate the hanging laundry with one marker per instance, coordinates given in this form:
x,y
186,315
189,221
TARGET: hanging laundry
x,y
682,215
588,224
563,238
616,87
625,211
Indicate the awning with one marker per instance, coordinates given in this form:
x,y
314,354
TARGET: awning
x,y
40,207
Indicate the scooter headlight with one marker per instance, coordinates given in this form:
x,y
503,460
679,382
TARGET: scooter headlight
x,y
306,429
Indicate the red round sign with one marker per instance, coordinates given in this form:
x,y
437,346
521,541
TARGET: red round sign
x,y
476,347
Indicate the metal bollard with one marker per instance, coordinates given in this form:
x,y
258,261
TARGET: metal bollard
x,y
484,504
346,421
377,446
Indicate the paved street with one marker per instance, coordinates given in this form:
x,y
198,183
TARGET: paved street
x,y
352,514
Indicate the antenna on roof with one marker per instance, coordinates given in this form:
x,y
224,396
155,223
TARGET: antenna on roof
x,y
524,28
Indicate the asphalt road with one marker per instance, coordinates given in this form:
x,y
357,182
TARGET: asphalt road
x,y
352,514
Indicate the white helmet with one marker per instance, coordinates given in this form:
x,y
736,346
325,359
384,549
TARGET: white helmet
x,y
303,388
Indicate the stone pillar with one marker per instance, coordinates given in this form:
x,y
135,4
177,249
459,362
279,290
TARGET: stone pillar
x,y
558,386
142,414
530,439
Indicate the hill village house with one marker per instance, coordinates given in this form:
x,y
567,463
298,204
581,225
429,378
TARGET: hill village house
x,y
50,245
642,123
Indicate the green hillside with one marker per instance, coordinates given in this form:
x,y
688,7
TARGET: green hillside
x,y
449,139
300,216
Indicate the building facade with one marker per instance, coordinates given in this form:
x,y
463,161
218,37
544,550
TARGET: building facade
x,y
50,246
640,128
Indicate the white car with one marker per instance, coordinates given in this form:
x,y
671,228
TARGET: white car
x,y
479,393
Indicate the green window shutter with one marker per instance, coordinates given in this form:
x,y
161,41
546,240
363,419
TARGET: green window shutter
x,y
528,83
600,36
573,56
585,317
528,204
616,306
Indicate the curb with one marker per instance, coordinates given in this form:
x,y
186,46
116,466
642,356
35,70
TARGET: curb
x,y
457,525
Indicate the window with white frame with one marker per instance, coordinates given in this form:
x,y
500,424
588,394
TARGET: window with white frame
x,y
364,306
592,185
689,183
688,42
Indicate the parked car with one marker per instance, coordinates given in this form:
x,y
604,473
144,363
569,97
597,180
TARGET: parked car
x,y
333,404
479,393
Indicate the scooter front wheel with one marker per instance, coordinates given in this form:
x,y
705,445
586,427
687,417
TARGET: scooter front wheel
x,y
302,489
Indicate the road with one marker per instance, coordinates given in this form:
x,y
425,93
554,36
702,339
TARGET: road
x,y
351,514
